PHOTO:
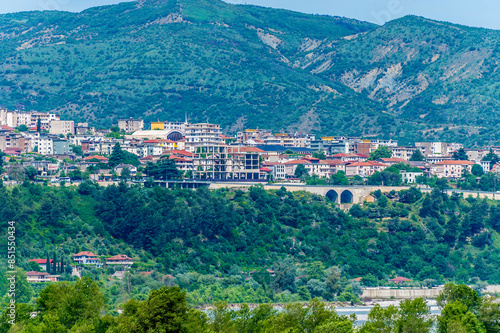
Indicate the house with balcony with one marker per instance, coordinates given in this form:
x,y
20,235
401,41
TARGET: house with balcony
x,y
87,258
121,260
37,277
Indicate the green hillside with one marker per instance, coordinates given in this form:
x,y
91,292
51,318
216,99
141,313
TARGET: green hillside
x,y
220,245
247,66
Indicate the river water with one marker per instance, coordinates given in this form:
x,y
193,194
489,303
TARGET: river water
x,y
361,312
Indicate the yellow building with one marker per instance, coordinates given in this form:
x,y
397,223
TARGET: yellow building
x,y
157,125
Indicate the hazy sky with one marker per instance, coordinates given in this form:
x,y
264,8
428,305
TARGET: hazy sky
x,y
479,13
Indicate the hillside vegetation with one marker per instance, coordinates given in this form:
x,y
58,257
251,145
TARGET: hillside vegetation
x,y
255,246
247,66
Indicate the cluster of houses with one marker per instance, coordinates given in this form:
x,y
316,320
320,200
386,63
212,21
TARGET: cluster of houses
x,y
80,260
202,151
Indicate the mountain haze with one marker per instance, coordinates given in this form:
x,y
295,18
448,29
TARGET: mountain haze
x,y
247,66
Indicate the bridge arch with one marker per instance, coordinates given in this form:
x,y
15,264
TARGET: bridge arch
x,y
332,195
346,197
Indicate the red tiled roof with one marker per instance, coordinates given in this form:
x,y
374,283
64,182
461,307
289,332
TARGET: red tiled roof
x,y
357,279
182,152
151,141
85,253
40,261
266,169
392,159
121,257
179,159
368,163
147,158
333,162
454,162
224,137
146,273
6,128
98,157
247,150
33,273
298,162
400,279
307,158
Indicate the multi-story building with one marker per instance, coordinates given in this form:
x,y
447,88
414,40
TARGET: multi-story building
x,y
432,148
364,169
42,143
451,169
218,162
201,135
131,125
120,260
45,119
63,127
175,126
11,141
253,136
61,147
84,129
410,177
403,153
86,258
332,145
157,126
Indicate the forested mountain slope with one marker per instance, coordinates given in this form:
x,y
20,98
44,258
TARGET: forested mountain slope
x,y
246,66
227,233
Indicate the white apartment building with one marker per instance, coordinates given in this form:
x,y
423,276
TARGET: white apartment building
x,y
43,143
451,169
204,134
410,177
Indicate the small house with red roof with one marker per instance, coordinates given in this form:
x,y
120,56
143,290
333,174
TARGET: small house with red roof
x,y
95,158
400,279
392,161
5,128
87,258
121,260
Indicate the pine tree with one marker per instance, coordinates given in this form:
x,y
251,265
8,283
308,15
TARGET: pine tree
x,y
117,156
38,125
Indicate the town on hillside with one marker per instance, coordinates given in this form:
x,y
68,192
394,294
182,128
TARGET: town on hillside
x,y
40,146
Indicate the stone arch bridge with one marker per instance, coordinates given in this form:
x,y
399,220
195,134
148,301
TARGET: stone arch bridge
x,y
337,194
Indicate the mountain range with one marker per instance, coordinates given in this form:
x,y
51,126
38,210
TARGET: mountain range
x,y
245,66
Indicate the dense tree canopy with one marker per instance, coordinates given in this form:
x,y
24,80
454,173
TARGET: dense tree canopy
x,y
380,152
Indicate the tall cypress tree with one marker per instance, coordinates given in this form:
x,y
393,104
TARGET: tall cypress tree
x,y
54,268
61,268
47,263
